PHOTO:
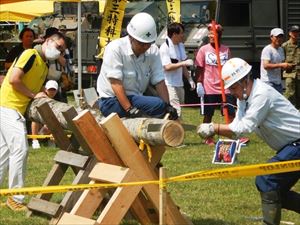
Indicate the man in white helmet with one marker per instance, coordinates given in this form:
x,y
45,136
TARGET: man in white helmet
x,y
263,110
130,64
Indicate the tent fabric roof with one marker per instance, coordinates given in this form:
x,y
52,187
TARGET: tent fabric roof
x,y
25,11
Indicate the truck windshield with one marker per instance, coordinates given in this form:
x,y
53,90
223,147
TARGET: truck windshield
x,y
198,12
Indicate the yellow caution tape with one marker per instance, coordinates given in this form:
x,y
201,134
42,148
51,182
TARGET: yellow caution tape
x,y
148,147
42,136
241,171
233,172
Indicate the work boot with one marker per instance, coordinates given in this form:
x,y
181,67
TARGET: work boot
x,y
271,207
291,201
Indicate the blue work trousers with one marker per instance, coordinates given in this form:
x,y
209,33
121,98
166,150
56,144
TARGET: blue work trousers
x,y
152,106
281,182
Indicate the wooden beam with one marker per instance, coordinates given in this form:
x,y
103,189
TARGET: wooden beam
x,y
69,219
61,139
71,159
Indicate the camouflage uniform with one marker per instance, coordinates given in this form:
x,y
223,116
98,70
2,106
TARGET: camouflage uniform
x,y
292,76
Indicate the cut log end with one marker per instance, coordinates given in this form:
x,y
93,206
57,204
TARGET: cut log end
x,y
173,133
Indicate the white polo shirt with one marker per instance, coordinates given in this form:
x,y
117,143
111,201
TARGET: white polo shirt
x,y
119,62
274,56
174,77
269,114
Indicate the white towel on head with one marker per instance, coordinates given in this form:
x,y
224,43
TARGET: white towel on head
x,y
172,50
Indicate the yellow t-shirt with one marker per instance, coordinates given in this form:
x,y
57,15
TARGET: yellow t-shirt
x,y
33,79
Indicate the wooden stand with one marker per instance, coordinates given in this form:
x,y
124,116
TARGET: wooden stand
x,y
124,152
65,158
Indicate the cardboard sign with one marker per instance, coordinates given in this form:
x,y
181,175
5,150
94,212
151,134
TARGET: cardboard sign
x,y
226,150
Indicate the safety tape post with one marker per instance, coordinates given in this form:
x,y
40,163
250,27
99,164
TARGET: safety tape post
x,y
224,173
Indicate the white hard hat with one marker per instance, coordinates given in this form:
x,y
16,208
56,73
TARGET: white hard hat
x,y
142,28
51,84
234,70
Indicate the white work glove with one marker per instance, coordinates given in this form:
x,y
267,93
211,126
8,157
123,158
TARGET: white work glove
x,y
192,83
206,130
188,62
200,90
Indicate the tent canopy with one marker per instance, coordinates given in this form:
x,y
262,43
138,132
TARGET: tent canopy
x,y
24,11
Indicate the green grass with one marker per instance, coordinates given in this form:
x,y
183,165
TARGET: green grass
x,y
206,202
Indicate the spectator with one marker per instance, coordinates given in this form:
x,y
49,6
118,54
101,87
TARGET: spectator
x,y
130,64
209,82
263,110
51,88
292,76
272,61
26,36
57,68
175,62
22,83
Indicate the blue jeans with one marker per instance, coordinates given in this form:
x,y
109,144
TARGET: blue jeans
x,y
152,106
281,182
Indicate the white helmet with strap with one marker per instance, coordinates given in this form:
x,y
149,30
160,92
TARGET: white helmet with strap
x,y
234,70
142,27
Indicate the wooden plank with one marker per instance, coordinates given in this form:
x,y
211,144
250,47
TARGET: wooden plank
x,y
40,205
94,138
88,202
69,219
108,173
61,139
54,177
120,201
130,154
69,116
71,159
70,197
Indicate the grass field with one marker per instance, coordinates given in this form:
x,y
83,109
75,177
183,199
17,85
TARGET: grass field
x,y
206,202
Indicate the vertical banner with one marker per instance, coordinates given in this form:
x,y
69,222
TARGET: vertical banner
x,y
111,23
173,7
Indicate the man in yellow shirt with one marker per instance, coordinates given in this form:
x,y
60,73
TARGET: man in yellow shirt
x,y
22,83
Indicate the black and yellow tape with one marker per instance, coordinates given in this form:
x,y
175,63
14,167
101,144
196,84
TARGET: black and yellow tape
x,y
224,173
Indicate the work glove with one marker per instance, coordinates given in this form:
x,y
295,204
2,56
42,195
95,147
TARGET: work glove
x,y
172,111
192,83
134,112
188,62
206,130
200,90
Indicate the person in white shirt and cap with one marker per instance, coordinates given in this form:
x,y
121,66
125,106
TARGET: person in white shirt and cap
x,y
263,110
272,60
51,89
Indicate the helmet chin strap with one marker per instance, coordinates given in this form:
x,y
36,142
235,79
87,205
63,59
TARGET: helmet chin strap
x,y
245,96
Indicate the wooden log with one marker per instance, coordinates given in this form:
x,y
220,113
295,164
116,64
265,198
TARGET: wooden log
x,y
155,131
56,106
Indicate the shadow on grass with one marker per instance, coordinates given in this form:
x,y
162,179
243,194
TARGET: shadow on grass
x,y
210,222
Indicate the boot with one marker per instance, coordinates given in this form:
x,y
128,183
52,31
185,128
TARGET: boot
x,y
271,207
291,201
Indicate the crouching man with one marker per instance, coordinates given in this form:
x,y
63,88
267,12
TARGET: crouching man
x,y
263,110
